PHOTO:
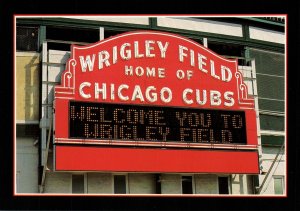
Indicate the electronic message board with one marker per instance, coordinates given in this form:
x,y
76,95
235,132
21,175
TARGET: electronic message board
x,y
143,123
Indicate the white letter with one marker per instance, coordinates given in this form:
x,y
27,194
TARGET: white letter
x,y
112,91
82,94
224,70
103,91
162,96
103,59
163,49
198,97
201,63
181,53
189,74
137,93
192,54
122,51
136,50
180,74
161,72
229,96
128,71
150,71
139,73
153,97
185,92
121,87
115,54
215,98
149,48
212,70
87,62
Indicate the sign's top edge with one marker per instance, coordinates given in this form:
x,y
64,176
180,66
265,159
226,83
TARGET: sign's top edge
x,y
148,32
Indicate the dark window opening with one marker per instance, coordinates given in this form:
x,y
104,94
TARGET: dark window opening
x,y
77,183
73,34
120,184
223,185
27,130
187,184
228,51
27,38
59,46
63,38
110,33
200,41
157,183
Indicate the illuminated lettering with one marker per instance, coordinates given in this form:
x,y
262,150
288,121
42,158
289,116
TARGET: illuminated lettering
x,y
181,116
149,48
157,124
125,53
87,62
182,54
202,63
226,74
237,121
81,92
212,70
103,58
229,97
198,97
117,117
120,89
185,98
166,91
100,90
151,96
183,133
162,48
150,133
137,94
136,50
215,98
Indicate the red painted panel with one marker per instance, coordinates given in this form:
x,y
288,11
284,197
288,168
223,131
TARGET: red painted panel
x,y
78,158
61,118
251,127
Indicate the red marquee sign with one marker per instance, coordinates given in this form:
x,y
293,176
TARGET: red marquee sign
x,y
139,92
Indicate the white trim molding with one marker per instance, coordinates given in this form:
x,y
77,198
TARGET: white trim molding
x,y
266,35
36,122
201,25
272,133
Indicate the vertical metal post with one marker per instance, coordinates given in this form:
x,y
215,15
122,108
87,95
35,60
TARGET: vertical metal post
x,y
41,187
254,84
44,117
101,33
205,42
42,36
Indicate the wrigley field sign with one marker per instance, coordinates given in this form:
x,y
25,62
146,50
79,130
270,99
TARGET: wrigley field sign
x,y
153,89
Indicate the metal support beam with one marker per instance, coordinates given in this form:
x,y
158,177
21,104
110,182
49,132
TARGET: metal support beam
x,y
205,42
41,186
101,33
259,189
44,112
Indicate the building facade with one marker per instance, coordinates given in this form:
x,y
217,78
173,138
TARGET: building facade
x,y
43,49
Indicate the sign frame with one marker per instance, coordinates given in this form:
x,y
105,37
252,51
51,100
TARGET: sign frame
x,y
76,86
